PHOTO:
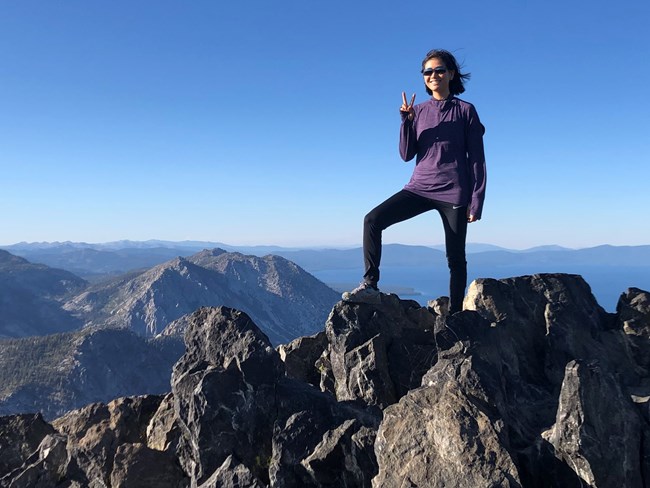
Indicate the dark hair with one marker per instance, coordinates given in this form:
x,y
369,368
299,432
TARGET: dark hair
x,y
456,85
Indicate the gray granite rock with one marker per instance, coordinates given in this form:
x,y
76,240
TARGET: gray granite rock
x,y
94,433
137,466
224,393
447,432
533,385
20,436
377,353
300,357
597,430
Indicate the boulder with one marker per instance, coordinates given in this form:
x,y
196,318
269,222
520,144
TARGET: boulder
x,y
377,353
533,326
448,432
94,433
232,399
48,466
319,442
552,319
232,474
597,430
224,393
20,436
137,466
344,457
537,324
300,357
163,431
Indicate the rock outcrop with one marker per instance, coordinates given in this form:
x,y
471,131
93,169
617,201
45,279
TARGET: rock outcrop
x,y
20,436
100,445
234,404
532,385
595,419
377,354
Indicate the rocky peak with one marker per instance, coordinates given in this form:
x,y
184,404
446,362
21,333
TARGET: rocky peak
x,y
532,385
225,338
285,300
273,273
377,354
208,254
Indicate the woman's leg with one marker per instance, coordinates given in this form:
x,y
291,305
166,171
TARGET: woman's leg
x,y
401,206
454,221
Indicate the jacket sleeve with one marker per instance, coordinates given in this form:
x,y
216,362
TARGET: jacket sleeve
x,y
407,138
476,162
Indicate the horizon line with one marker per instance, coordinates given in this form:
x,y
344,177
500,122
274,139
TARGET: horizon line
x,y
308,247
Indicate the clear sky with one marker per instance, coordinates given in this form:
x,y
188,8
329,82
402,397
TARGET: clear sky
x,y
276,122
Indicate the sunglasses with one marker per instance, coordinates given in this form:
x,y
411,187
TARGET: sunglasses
x,y
434,71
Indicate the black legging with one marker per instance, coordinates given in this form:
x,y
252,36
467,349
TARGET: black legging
x,y
403,206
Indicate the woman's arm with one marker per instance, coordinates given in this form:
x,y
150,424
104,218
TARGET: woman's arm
x,y
407,140
407,136
476,162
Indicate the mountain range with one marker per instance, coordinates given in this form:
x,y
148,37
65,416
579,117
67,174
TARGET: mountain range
x,y
418,272
122,256
31,297
36,299
67,342
280,295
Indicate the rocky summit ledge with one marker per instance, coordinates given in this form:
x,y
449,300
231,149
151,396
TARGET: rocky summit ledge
x,y
532,385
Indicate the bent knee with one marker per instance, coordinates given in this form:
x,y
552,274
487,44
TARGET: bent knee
x,y
370,219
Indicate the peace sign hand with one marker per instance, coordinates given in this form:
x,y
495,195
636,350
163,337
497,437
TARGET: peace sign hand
x,y
407,108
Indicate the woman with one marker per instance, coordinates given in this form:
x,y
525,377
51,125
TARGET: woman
x,y
445,136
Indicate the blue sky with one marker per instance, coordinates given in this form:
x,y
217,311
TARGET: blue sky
x,y
258,122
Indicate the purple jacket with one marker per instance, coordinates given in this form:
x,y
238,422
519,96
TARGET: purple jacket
x,y
447,139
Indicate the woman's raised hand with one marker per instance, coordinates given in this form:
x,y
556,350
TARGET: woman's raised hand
x,y
407,107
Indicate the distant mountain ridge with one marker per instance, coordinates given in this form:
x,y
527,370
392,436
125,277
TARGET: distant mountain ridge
x,y
607,268
67,343
284,298
417,271
29,247
94,261
119,257
55,283
30,297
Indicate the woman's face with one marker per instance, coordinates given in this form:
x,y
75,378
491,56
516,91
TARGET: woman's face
x,y
437,76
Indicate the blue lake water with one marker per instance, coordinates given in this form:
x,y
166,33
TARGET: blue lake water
x,y
423,283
